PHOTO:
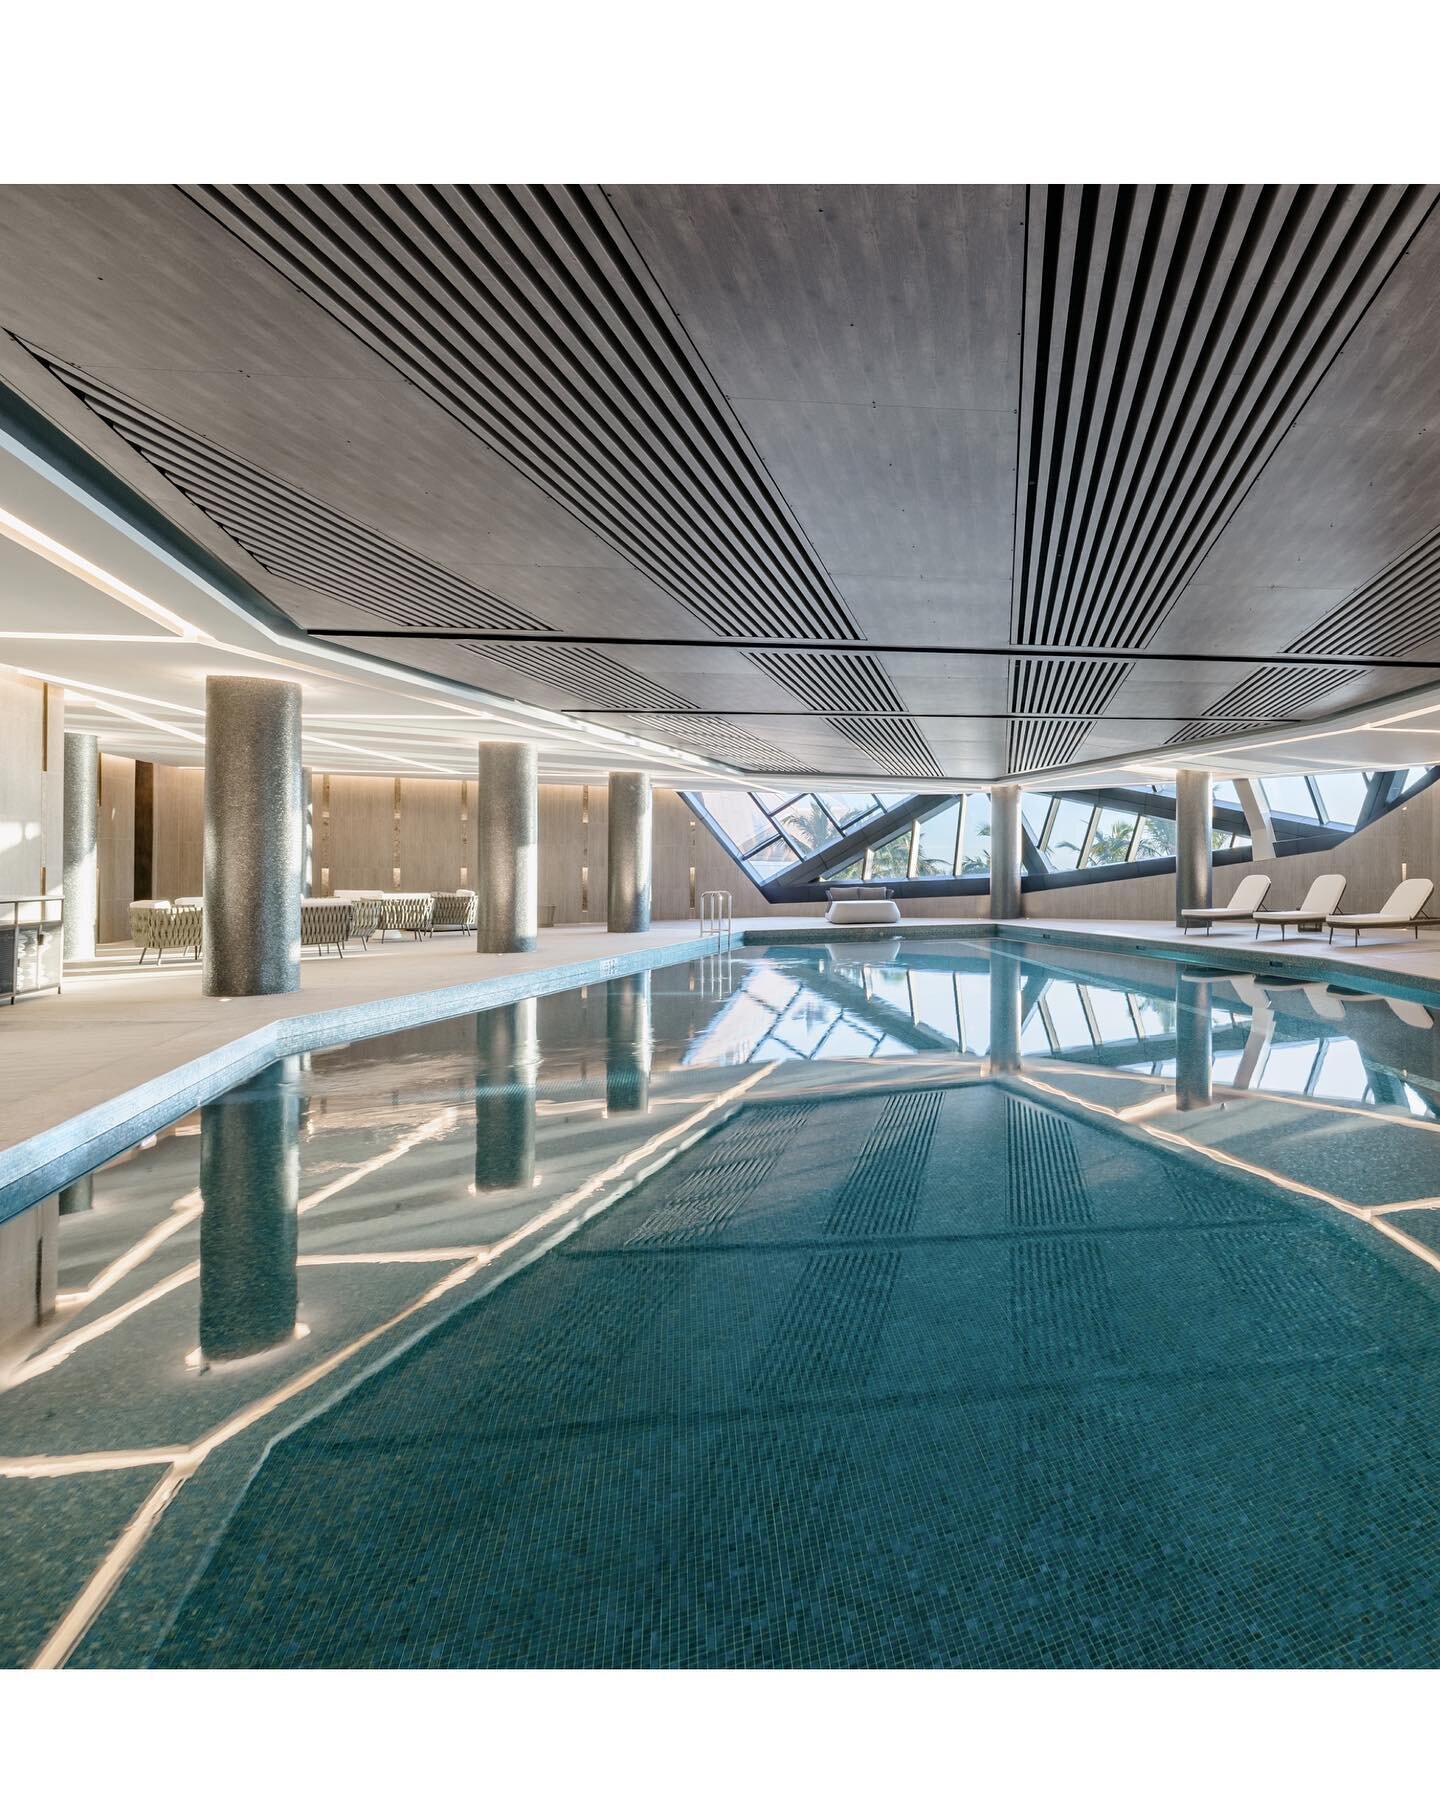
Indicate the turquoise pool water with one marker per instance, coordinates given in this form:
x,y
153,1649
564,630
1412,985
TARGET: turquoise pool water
x,y
929,1304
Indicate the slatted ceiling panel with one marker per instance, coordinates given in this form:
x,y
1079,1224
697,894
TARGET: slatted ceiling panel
x,y
844,681
1395,613
526,313
713,737
1039,686
303,540
587,674
1172,336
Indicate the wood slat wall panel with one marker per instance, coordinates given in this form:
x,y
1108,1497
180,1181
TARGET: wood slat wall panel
x,y
179,842
26,803
360,840
116,848
431,832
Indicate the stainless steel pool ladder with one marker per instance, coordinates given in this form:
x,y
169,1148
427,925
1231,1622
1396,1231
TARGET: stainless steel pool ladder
x,y
717,909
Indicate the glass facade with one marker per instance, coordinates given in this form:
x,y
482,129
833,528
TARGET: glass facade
x,y
772,832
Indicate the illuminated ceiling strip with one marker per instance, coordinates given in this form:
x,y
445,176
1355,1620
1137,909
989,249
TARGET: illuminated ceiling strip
x,y
366,670
92,1599
81,697
408,762
91,574
88,637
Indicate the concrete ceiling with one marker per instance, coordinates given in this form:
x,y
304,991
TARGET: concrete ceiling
x,y
796,446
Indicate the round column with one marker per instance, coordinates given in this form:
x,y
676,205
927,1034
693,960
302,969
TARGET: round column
x,y
507,1055
629,1043
82,810
507,849
254,836
250,1188
1005,852
627,905
1194,1039
1193,844
1004,1011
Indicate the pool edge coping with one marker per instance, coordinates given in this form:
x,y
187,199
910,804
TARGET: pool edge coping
x,y
37,1166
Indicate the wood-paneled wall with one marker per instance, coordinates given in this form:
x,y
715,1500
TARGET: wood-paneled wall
x,y
116,848
178,864
32,786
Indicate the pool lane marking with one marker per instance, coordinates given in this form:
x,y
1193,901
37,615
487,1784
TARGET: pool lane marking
x,y
93,1597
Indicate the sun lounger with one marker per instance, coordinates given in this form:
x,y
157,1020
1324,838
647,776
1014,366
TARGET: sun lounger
x,y
1244,903
1405,908
1319,904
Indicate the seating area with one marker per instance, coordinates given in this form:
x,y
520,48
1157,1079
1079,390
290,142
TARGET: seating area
x,y
326,922
162,925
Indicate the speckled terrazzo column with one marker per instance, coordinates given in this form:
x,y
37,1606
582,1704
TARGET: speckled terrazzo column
x,y
507,849
249,1187
1004,1011
1005,852
627,906
82,806
307,847
1194,1038
507,1066
1192,840
254,836
629,1044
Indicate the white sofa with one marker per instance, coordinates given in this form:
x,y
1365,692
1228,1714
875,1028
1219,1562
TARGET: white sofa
x,y
861,906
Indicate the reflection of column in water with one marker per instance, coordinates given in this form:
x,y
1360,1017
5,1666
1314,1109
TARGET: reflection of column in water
x,y
507,1059
1192,1043
249,1186
78,1197
628,1043
1004,1012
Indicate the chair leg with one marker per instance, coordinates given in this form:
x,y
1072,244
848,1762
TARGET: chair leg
x,y
143,952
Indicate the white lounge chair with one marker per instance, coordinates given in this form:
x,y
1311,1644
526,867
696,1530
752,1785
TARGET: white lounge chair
x,y
1405,907
1243,905
1322,901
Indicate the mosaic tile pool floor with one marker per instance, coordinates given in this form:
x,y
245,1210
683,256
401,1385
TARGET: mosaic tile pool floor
x,y
1060,1330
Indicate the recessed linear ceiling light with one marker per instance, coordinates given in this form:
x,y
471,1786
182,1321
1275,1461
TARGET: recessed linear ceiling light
x,y
408,762
90,637
569,729
74,564
74,698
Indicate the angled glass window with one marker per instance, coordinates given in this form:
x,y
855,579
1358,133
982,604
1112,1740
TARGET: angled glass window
x,y
850,871
975,839
1068,831
807,825
1289,794
849,809
773,860
1222,794
938,833
1156,837
1341,796
890,861
738,816
1035,810
1111,839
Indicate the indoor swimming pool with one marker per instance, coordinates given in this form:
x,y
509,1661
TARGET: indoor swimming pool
x,y
905,1303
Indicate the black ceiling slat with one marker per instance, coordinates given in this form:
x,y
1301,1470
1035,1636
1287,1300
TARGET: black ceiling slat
x,y
724,585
